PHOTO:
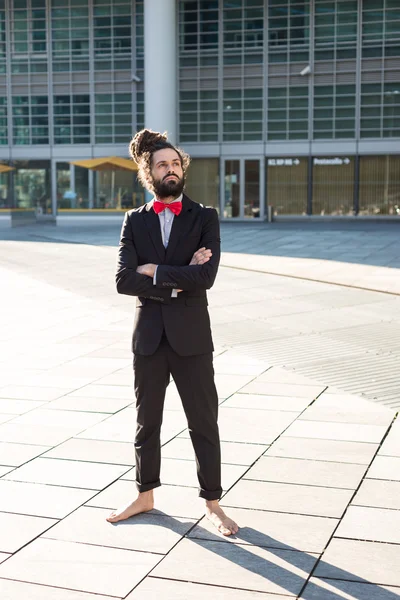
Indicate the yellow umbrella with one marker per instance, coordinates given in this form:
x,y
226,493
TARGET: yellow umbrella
x,y
110,163
5,168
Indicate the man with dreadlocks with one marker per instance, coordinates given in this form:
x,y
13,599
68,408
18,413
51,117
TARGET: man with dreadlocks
x,y
168,257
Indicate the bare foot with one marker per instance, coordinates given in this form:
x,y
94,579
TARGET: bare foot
x,y
216,515
143,503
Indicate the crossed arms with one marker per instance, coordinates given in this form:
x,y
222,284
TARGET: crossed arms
x,y
137,280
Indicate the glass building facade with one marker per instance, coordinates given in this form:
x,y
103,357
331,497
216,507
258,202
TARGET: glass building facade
x,y
283,103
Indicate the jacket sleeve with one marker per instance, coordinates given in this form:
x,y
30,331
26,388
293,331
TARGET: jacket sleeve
x,y
196,277
127,279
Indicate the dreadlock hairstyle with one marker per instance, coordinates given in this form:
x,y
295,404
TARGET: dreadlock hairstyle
x,y
142,147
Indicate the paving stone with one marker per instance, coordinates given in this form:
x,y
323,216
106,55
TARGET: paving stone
x,y
18,530
40,500
93,390
150,532
5,470
342,414
307,472
71,473
324,450
97,405
272,529
283,497
337,431
231,452
60,418
17,407
22,392
320,589
169,499
248,567
17,590
40,435
391,445
153,587
379,493
17,454
183,473
354,560
279,375
115,453
255,426
263,402
79,566
3,557
385,467
7,417
283,389
374,524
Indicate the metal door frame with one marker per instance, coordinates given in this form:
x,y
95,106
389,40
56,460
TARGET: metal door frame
x,y
241,159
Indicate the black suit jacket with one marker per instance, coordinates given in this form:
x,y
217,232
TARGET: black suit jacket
x,y
185,319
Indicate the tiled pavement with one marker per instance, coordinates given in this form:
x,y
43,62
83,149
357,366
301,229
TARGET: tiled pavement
x,y
310,472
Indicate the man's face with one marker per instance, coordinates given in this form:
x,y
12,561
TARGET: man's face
x,y
167,173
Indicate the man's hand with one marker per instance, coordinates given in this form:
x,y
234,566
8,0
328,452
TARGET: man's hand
x,y
201,256
147,269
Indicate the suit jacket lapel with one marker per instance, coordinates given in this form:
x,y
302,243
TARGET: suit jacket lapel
x,y
153,225
180,226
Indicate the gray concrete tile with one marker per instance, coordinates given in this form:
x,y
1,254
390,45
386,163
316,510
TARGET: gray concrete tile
x,y
320,589
91,404
116,453
93,390
24,392
337,431
263,402
18,530
17,454
5,470
283,497
374,524
17,407
255,426
153,587
150,532
378,493
36,436
79,566
247,567
70,473
280,375
325,450
17,590
307,472
283,389
272,529
4,556
40,500
391,445
169,499
340,414
354,560
60,418
6,417
229,384
385,467
231,452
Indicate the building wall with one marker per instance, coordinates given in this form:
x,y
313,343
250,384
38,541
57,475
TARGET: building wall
x,y
71,86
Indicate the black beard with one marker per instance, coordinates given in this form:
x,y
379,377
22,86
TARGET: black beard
x,y
166,189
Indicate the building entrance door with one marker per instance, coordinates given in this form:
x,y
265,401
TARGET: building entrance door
x,y
242,188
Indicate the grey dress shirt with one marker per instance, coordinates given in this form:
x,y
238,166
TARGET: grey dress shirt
x,y
166,219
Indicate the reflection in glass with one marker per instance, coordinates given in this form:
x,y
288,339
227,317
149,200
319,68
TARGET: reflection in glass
x,y
232,189
252,188
32,185
202,184
287,185
333,185
379,185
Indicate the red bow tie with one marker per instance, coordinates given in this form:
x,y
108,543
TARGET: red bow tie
x,y
175,207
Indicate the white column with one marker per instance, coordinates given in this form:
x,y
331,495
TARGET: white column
x,y
160,67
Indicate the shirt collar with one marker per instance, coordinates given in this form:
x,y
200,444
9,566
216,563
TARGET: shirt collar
x,y
179,199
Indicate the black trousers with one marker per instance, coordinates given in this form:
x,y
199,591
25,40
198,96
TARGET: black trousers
x,y
194,378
